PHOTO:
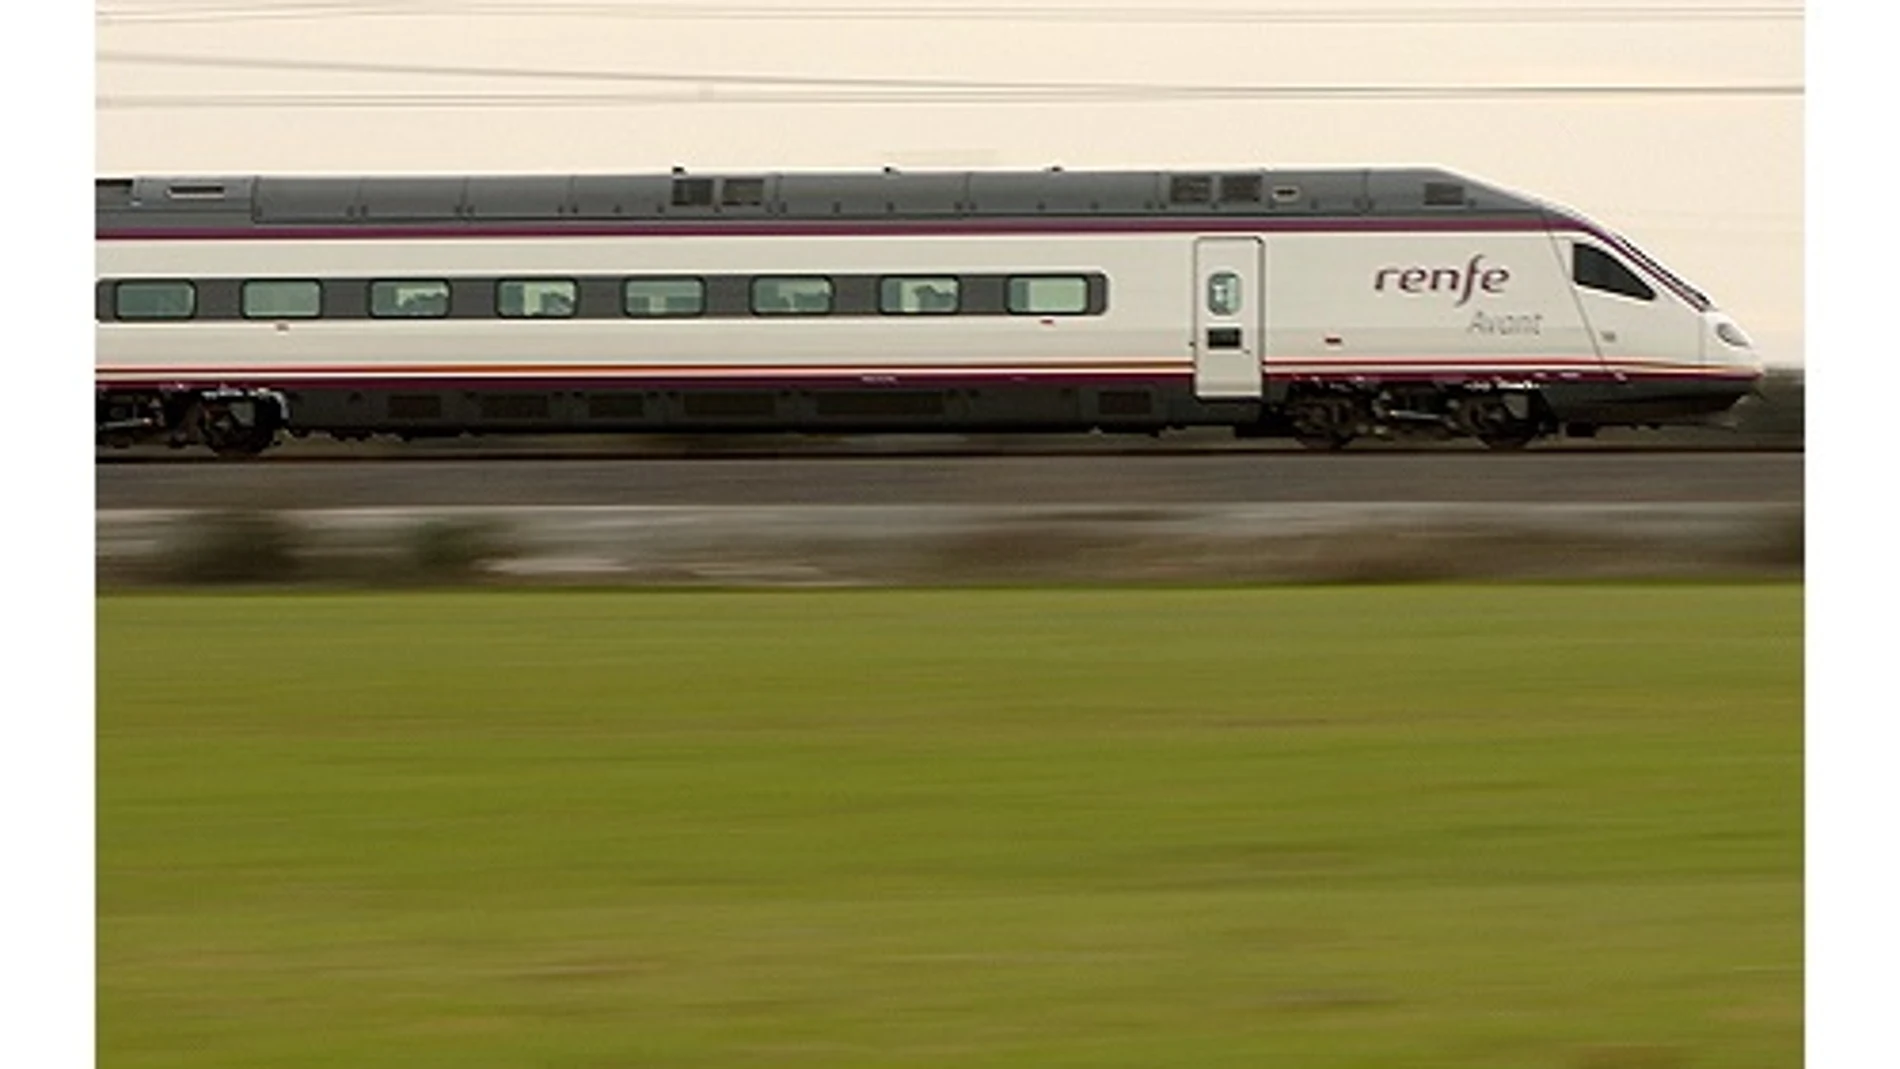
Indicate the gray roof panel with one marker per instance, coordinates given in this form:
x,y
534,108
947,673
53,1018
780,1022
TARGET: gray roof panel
x,y
517,198
145,202
1427,191
621,196
1316,192
390,200
1055,192
305,200
878,194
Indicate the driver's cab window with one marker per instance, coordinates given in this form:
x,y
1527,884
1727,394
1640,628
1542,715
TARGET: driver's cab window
x,y
1592,268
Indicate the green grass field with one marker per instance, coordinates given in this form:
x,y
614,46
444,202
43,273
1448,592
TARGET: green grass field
x,y
1428,826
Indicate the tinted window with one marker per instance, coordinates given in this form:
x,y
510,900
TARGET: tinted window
x,y
791,296
282,300
1049,295
651,298
917,296
1223,293
536,297
1595,269
155,300
409,299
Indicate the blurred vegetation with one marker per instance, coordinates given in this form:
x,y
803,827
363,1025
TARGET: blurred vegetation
x,y
1100,546
232,548
256,547
447,550
1423,826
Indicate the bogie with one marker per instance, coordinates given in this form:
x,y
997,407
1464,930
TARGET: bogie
x,y
231,423
1332,418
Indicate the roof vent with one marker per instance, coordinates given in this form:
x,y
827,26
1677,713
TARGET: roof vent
x,y
1190,189
742,192
1285,194
195,191
1444,195
1241,188
692,192
112,192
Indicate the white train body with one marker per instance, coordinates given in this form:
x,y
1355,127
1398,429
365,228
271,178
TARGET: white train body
x,y
1505,323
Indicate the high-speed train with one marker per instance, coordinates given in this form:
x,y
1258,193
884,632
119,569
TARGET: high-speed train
x,y
1323,305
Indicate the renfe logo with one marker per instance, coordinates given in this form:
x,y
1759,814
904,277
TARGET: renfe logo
x,y
1459,280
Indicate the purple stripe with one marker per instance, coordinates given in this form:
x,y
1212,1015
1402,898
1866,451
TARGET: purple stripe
x,y
1543,376
645,382
841,228
1562,377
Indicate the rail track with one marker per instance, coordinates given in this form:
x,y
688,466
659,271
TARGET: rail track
x,y
1557,475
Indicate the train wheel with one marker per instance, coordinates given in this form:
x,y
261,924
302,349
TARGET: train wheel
x,y
1326,421
244,429
1491,421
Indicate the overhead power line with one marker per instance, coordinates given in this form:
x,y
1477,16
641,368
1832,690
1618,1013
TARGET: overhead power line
x,y
1133,94
716,86
237,11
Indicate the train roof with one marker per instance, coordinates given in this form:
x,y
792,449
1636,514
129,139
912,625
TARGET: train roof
x,y
199,203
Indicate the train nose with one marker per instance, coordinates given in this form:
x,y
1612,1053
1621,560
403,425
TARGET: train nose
x,y
1729,345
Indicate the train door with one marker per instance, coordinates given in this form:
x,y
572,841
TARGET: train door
x,y
1229,317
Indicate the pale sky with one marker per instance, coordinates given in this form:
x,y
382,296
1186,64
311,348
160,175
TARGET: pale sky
x,y
1711,185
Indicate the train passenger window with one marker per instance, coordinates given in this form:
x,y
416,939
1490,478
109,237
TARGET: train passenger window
x,y
409,299
1595,269
1223,293
791,296
1048,295
657,298
285,299
918,296
154,300
536,298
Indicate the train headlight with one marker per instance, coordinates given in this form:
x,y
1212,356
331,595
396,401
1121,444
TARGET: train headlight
x,y
1733,335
